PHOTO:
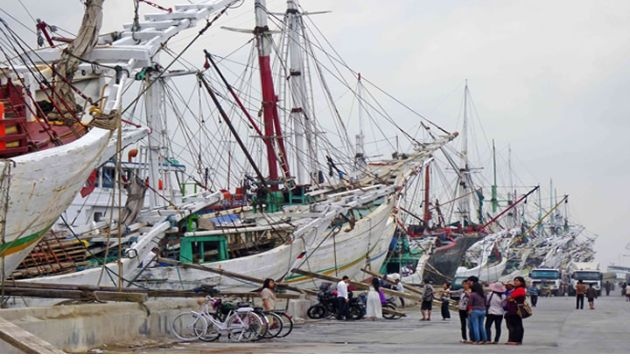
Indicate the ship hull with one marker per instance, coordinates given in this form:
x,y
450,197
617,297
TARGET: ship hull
x,y
33,195
443,263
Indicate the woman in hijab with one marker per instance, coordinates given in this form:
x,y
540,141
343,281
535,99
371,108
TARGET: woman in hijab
x,y
513,320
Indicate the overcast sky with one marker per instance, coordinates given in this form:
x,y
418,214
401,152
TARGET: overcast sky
x,y
548,78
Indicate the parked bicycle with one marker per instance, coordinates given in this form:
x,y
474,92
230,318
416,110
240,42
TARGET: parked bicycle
x,y
279,323
239,324
391,305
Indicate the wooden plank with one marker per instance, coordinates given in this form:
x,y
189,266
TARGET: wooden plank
x,y
231,274
120,296
44,293
393,312
24,340
256,295
76,294
407,287
436,302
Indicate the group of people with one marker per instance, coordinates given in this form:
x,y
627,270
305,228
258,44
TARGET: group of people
x,y
581,291
625,290
375,299
479,311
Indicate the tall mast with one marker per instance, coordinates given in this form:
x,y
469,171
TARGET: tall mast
x,y
272,131
540,211
154,98
300,114
551,204
550,193
495,203
427,212
512,194
566,213
464,202
359,157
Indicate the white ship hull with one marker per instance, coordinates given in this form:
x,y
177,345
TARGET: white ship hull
x,y
33,195
345,253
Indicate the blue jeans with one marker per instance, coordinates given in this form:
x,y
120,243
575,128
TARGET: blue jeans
x,y
477,330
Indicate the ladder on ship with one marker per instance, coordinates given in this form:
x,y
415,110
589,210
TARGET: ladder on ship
x,y
13,136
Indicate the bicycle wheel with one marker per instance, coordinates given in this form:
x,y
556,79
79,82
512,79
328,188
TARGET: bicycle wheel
x,y
211,333
274,326
245,326
316,312
188,326
390,316
258,311
287,324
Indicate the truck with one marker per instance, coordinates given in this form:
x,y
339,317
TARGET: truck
x,y
587,272
548,281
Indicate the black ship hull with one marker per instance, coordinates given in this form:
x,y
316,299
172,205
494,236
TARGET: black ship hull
x,y
444,260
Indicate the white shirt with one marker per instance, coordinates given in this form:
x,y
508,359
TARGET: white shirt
x,y
495,302
342,289
400,287
628,289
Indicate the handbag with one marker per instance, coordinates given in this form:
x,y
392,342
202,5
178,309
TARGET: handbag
x,y
524,310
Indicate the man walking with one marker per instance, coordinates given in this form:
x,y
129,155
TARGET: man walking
x,y
533,292
342,298
580,290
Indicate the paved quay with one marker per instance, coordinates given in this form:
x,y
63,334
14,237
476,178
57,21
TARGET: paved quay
x,y
555,328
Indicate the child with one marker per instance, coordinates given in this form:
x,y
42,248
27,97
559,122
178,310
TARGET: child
x,y
591,295
445,298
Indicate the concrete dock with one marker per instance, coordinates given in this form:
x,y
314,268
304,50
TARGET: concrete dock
x,y
555,328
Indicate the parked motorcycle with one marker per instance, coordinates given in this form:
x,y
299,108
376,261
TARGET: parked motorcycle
x,y
327,305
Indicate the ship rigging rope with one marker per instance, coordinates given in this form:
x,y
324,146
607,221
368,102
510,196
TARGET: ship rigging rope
x,y
5,184
331,104
186,129
335,112
189,132
54,71
44,84
18,21
327,142
51,133
91,255
340,60
136,21
209,23
118,173
27,11
434,270
306,259
340,78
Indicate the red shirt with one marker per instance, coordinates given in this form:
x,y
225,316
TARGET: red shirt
x,y
518,292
